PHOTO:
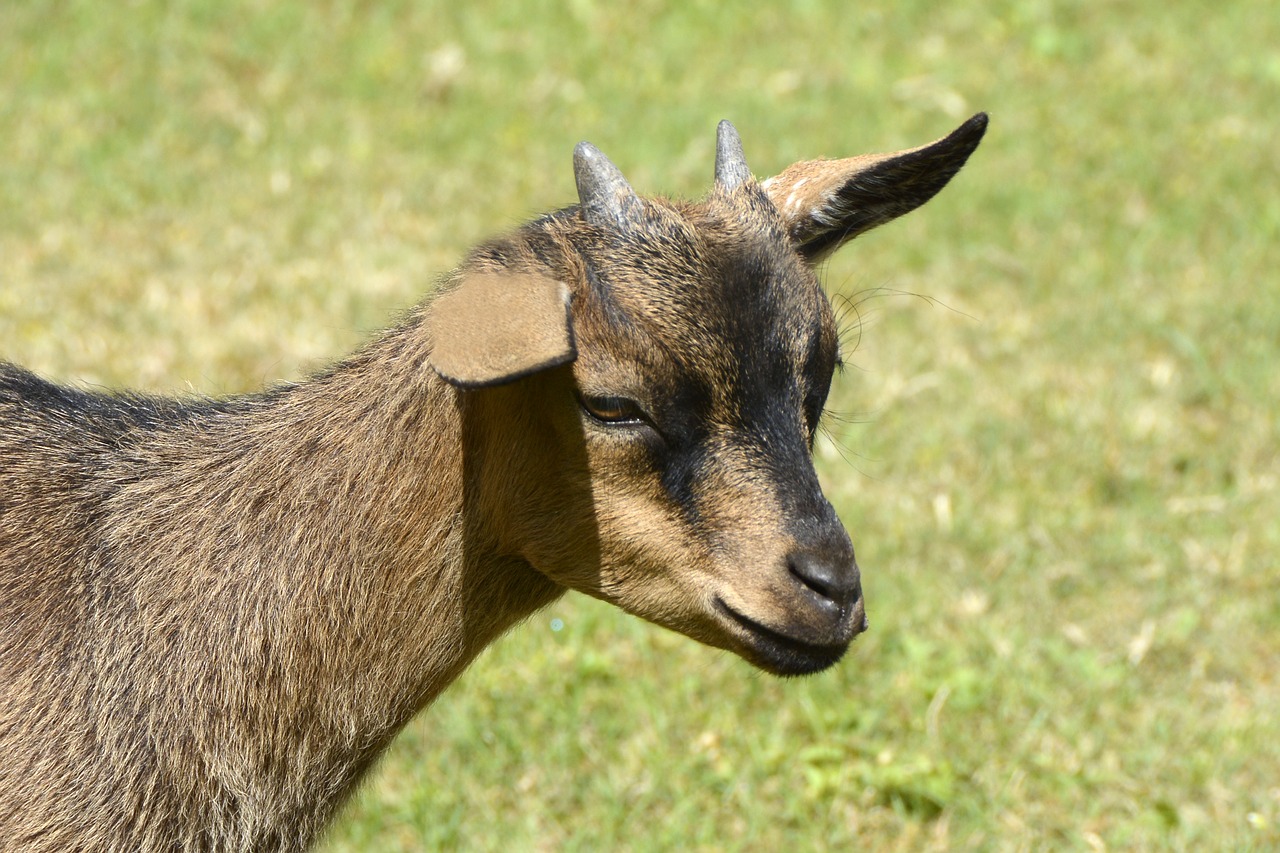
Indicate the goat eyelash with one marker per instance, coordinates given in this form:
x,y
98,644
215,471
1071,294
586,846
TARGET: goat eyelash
x,y
612,410
840,439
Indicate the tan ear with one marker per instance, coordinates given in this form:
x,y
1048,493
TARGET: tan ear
x,y
494,328
826,203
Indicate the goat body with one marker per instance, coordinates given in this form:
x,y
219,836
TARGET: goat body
x,y
214,615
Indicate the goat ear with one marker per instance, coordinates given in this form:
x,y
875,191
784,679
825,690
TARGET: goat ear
x,y
826,203
495,328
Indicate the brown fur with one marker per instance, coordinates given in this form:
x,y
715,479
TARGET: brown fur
x,y
214,615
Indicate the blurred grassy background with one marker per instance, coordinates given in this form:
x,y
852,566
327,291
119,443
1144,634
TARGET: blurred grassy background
x,y
1059,461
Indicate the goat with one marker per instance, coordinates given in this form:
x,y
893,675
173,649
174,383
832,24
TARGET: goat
x,y
216,614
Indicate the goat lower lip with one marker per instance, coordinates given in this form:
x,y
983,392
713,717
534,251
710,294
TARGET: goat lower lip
x,y
783,654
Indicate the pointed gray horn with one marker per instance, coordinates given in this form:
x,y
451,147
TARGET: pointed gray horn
x,y
731,166
608,201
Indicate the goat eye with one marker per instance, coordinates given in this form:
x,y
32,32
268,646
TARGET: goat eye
x,y
614,410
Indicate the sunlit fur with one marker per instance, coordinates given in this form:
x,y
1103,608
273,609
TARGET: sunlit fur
x,y
214,615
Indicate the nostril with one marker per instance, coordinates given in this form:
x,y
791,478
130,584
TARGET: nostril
x,y
834,580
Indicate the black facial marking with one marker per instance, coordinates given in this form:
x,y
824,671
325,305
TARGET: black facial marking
x,y
681,469
730,328
819,366
682,416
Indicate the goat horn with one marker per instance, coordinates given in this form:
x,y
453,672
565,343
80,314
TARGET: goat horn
x,y
608,201
731,166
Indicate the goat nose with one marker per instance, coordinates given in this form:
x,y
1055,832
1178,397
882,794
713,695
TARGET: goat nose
x,y
834,576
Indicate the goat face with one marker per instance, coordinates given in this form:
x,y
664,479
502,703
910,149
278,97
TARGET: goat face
x,y
705,382
674,363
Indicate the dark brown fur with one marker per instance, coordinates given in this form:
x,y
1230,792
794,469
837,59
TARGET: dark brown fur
x,y
214,615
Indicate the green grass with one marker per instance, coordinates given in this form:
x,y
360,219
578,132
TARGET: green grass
x,y
1061,456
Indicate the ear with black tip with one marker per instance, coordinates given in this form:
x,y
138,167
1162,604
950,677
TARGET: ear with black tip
x,y
826,203
494,328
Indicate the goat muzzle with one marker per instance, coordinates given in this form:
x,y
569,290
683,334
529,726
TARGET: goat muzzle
x,y
821,611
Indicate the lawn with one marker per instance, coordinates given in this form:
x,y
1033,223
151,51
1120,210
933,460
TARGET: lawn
x,y
1056,444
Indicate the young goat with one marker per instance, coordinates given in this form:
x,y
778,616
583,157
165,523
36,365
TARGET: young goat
x,y
214,615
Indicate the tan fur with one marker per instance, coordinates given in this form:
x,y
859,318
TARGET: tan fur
x,y
214,615
493,328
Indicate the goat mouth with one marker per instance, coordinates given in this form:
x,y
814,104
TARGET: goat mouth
x,y
779,653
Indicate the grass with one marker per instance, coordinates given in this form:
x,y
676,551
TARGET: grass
x,y
1060,450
